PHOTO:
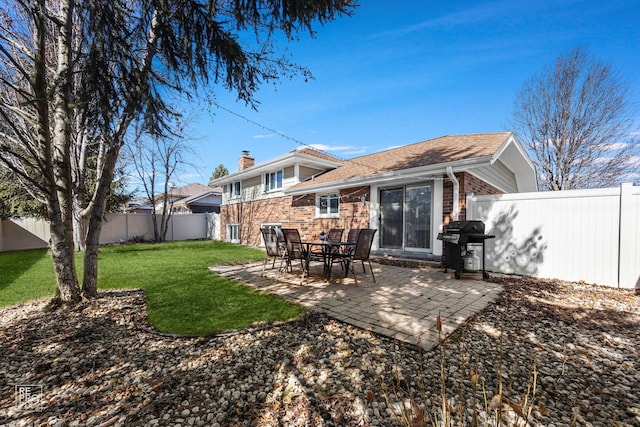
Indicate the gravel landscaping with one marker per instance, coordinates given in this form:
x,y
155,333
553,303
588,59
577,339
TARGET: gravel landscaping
x,y
561,354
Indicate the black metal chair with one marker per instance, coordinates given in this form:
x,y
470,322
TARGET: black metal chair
x,y
343,252
335,234
282,243
352,235
295,249
360,252
273,248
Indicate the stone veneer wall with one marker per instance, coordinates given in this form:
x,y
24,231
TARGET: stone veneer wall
x,y
295,212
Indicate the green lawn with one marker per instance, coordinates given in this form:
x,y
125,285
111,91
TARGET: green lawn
x,y
182,295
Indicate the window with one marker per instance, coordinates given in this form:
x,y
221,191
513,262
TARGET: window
x,y
234,189
328,205
273,180
233,233
269,225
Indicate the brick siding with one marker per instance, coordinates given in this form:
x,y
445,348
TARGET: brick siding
x,y
295,212
300,211
468,184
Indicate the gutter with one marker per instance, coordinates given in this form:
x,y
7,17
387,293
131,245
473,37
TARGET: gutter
x,y
386,177
456,193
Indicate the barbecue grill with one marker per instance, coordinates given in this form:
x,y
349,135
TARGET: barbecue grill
x,y
460,238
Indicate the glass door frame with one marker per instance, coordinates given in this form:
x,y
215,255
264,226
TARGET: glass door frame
x,y
404,204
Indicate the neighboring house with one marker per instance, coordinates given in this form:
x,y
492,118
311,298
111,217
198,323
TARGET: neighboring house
x,y
192,198
408,193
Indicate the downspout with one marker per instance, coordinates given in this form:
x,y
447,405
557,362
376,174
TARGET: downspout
x,y
456,193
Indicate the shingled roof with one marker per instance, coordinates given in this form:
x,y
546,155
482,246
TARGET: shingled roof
x,y
319,154
442,150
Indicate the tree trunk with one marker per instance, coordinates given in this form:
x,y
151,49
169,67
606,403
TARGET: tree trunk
x,y
96,213
92,245
53,149
154,221
80,221
68,292
80,225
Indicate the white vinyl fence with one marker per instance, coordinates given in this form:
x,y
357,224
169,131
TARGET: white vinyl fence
x,y
29,233
588,235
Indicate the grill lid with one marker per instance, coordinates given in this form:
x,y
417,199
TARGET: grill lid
x,y
465,227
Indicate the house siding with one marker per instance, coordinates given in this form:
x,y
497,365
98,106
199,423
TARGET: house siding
x,y
499,174
295,212
468,184
307,172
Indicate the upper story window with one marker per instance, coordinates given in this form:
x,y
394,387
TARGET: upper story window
x,y
328,205
234,189
273,180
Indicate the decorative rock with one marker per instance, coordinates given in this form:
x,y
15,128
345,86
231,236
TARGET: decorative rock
x,y
318,367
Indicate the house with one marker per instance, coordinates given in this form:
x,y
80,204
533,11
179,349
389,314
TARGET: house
x,y
192,198
408,193
196,198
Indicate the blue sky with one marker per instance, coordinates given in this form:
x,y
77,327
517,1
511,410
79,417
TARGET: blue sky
x,y
402,72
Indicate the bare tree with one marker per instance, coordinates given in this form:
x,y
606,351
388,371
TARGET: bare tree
x,y
575,118
75,75
155,161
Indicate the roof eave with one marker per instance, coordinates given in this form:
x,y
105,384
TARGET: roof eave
x,y
422,172
513,154
288,159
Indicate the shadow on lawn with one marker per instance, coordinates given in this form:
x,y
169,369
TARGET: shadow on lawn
x,y
15,264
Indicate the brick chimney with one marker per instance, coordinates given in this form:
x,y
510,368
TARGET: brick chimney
x,y
245,161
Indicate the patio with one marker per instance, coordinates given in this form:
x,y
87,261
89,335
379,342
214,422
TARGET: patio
x,y
404,303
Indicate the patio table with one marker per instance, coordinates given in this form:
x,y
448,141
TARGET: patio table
x,y
328,248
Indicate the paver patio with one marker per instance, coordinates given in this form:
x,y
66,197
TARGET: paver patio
x,y
404,303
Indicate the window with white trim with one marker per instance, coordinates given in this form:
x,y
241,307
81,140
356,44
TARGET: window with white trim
x,y
273,180
328,205
234,189
268,225
233,233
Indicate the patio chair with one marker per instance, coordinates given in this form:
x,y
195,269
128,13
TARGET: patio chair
x,y
295,249
335,234
352,235
360,252
345,251
273,248
282,243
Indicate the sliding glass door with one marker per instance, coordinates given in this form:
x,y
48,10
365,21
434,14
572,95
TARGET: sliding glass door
x,y
391,218
405,217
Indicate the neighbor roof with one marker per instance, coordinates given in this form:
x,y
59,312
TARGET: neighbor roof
x,y
442,150
189,190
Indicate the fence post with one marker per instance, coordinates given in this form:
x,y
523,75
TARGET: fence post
x,y
626,261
